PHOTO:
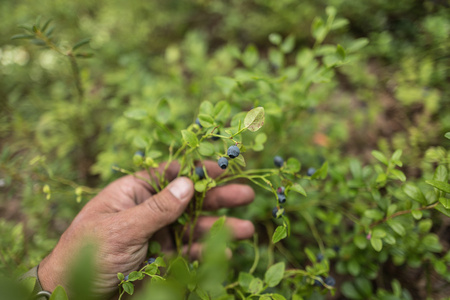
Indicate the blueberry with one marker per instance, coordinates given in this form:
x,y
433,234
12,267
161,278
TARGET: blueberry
x,y
139,153
223,163
281,190
197,121
330,281
126,277
274,212
281,198
320,257
151,260
215,138
200,173
278,161
311,171
233,151
336,249
317,282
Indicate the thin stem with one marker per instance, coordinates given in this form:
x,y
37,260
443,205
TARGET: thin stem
x,y
256,260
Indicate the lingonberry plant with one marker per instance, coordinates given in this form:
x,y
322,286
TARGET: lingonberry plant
x,y
326,222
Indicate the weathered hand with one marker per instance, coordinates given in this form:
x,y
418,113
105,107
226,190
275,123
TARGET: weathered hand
x,y
128,213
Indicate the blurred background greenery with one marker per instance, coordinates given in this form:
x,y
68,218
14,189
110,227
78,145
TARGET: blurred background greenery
x,y
391,94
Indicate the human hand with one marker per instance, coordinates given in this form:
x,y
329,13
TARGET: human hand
x,y
128,213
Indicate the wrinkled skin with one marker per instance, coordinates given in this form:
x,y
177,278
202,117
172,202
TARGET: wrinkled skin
x,y
127,214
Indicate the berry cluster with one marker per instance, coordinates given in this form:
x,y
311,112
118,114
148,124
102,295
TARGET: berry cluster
x,y
232,152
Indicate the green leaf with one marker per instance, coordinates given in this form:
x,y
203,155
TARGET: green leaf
x,y
136,114
374,214
227,84
397,154
378,233
244,280
447,135
443,210
120,276
441,174
250,56
274,274
298,188
376,243
414,192
160,262
44,27
353,267
349,291
357,44
311,255
206,149
443,186
128,288
256,286
240,160
398,174
59,294
22,36
190,138
81,43
340,52
206,120
275,38
261,138
200,186
222,111
217,226
322,172
288,44
397,227
254,119
163,111
417,214
135,275
206,108
380,156
445,202
293,165
360,241
279,234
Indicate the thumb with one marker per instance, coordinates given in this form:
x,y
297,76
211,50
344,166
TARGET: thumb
x,y
161,209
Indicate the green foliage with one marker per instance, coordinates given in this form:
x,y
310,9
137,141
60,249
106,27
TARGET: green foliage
x,y
356,83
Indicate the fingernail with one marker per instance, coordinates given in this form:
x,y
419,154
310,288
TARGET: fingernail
x,y
182,188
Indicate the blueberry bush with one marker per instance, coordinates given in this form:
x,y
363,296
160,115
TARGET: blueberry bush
x,y
336,113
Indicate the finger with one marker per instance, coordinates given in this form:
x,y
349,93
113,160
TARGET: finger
x,y
212,168
240,229
196,251
230,195
159,210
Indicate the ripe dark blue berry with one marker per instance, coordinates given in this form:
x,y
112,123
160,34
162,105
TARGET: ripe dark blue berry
x,y
278,161
200,173
139,153
223,163
320,257
330,281
233,151
337,249
274,212
311,171
281,190
126,277
151,260
197,121
281,198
